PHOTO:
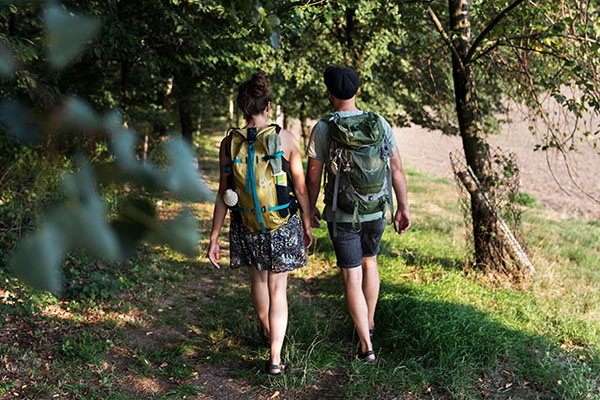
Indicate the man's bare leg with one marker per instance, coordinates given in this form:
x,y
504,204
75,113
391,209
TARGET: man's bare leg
x,y
357,306
370,286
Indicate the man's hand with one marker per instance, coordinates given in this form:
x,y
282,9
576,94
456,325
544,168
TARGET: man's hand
x,y
402,221
213,253
315,217
308,237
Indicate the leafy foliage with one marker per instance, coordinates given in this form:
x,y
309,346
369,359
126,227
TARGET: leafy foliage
x,y
172,65
81,220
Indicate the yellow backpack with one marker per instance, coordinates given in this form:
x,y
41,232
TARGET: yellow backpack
x,y
258,177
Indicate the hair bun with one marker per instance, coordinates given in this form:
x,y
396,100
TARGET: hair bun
x,y
254,95
259,79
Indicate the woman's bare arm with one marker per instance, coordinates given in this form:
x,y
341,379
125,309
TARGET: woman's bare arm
x,y
292,153
220,210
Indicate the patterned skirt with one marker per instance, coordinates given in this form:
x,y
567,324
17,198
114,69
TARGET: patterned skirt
x,y
281,250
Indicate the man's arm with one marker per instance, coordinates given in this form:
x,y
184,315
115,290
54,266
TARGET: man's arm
x,y
313,185
402,217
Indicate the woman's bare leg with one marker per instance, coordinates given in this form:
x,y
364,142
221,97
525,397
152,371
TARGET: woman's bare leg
x,y
278,314
259,291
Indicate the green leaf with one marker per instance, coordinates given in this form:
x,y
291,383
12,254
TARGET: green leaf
x,y
7,62
273,20
181,234
123,141
136,216
182,177
38,258
84,218
274,40
67,34
14,117
78,114
113,121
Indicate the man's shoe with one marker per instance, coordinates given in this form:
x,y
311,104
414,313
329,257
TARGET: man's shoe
x,y
274,369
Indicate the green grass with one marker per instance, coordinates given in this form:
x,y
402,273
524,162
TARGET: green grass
x,y
166,323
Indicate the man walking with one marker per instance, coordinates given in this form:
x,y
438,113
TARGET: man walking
x,y
359,152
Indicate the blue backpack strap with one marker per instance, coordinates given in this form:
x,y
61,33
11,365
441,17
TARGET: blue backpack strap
x,y
281,207
273,156
251,184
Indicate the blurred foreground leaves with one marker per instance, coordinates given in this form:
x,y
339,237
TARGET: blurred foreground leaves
x,y
81,220
67,34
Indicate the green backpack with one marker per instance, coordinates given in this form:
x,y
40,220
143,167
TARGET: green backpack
x,y
358,176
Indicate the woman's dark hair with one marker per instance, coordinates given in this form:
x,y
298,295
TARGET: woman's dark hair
x,y
254,95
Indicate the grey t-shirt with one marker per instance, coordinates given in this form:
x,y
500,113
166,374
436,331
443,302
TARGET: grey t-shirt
x,y
318,148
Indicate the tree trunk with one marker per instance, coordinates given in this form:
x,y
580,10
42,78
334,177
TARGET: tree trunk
x,y
303,127
124,84
184,107
488,254
185,118
511,244
278,115
145,150
231,113
12,24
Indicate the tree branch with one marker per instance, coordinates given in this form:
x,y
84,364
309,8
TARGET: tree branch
x,y
488,28
500,41
444,36
533,35
309,4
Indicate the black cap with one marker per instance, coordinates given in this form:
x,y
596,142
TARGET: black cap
x,y
342,82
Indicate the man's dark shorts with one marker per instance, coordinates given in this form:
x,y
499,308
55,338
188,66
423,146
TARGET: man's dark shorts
x,y
350,246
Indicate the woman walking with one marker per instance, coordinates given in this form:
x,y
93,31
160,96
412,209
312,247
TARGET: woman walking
x,y
262,183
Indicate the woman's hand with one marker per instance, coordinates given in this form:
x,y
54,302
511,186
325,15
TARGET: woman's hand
x,y
308,237
213,253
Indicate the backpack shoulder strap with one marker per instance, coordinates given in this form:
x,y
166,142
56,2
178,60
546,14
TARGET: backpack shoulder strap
x,y
227,142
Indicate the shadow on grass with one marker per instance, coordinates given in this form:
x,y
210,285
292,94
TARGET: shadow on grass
x,y
414,256
456,349
411,255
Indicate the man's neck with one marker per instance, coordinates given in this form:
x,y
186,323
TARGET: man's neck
x,y
345,105
346,109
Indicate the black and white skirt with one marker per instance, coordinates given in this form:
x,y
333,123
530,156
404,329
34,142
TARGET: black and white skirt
x,y
281,250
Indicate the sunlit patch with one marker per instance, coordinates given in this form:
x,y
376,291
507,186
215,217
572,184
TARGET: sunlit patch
x,y
145,384
57,311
